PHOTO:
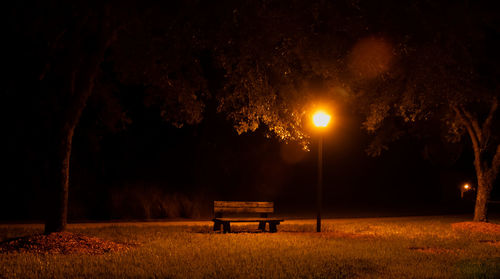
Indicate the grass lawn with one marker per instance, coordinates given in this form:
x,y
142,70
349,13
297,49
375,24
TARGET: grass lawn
x,y
409,247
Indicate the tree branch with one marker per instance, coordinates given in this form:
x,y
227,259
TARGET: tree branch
x,y
495,164
468,126
487,123
475,125
473,137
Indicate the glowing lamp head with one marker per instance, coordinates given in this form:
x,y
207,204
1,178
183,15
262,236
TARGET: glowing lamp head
x,y
466,187
321,119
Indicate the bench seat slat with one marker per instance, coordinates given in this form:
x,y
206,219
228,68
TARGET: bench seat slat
x,y
243,210
250,219
243,204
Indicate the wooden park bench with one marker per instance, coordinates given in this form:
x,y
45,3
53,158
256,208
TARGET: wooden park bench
x,y
233,208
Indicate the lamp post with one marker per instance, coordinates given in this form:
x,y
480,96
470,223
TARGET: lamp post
x,y
320,120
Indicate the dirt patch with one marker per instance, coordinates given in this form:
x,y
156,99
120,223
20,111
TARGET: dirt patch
x,y
434,250
62,243
480,227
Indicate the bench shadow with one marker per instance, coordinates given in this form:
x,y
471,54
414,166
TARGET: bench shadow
x,y
233,231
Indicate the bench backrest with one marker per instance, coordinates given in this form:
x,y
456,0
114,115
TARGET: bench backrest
x,y
221,207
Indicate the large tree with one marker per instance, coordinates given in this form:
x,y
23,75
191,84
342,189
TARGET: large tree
x,y
67,43
446,70
403,64
64,46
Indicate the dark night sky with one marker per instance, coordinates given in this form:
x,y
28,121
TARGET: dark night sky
x,y
150,163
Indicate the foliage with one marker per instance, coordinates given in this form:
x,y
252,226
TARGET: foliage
x,y
264,64
436,72
279,64
445,74
158,48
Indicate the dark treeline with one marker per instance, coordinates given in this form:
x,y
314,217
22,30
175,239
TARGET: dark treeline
x,y
146,110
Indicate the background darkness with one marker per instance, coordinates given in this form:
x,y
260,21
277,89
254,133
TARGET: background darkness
x,y
154,170
151,169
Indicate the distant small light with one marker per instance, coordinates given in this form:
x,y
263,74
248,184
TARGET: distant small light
x,y
321,119
466,187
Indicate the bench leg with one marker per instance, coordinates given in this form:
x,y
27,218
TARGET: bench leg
x,y
217,226
262,226
227,227
272,227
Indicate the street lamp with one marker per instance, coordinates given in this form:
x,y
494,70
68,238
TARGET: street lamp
x,y
466,187
320,120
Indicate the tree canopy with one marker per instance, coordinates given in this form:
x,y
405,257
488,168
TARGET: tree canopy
x,y
264,64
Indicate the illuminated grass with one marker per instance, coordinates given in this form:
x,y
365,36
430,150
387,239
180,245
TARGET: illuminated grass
x,y
416,247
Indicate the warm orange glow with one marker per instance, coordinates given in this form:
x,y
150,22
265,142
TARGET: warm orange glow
x,y
466,187
371,57
321,119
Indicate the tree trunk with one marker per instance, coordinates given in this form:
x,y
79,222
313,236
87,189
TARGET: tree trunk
x,y
486,176
59,161
485,173
484,187
57,211
76,71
